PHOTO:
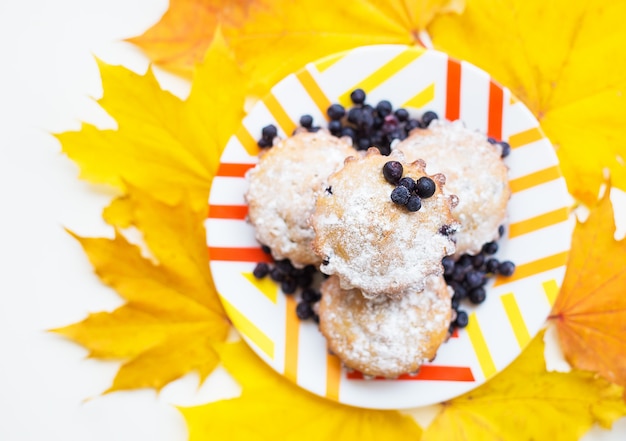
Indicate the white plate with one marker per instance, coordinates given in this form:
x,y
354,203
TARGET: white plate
x,y
538,235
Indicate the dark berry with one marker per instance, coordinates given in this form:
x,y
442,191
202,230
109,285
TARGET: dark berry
x,y
284,266
264,143
365,120
411,124
310,269
269,132
477,295
461,319
459,290
384,108
458,274
311,296
425,187
363,144
474,279
392,171
384,150
446,230
304,311
414,203
266,249
378,122
478,260
401,114
490,248
306,121
304,280
336,111
506,268
491,140
501,230
492,265
335,127
358,96
400,195
277,275
348,131
455,302
429,117
261,270
506,148
448,265
407,182
354,115
465,261
288,286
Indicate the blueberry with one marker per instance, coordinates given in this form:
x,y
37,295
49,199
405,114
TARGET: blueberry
x,y
446,230
490,248
284,266
425,187
269,132
414,203
506,268
277,275
465,261
358,96
304,280
311,296
400,195
478,260
306,121
501,230
363,144
491,140
365,120
448,265
354,115
411,124
266,249
304,311
477,295
335,127
288,286
455,303
384,108
459,290
506,148
336,111
392,171
492,265
261,270
407,182
264,143
461,319
401,114
458,274
348,131
429,117
474,279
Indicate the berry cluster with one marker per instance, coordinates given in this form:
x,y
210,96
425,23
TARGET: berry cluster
x,y
504,146
291,279
468,275
408,192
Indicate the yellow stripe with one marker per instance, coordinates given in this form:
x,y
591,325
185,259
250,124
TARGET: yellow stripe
x,y
539,222
279,114
534,179
247,328
422,98
398,63
333,377
515,318
292,331
480,347
552,290
326,62
266,286
247,141
314,90
532,268
525,137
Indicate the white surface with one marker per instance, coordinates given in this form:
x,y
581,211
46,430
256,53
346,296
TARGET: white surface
x,y
48,391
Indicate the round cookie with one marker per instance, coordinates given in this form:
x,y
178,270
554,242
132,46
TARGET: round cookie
x,y
474,172
372,243
385,336
283,188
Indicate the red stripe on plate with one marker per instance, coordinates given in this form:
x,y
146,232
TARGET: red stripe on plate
x,y
238,255
430,373
453,90
238,212
496,103
229,170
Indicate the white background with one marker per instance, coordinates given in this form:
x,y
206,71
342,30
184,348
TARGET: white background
x,y
48,76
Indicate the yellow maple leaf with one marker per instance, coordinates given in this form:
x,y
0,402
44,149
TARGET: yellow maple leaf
x,y
590,311
563,59
173,315
525,402
162,145
272,408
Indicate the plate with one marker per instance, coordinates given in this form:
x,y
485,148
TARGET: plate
x,y
538,234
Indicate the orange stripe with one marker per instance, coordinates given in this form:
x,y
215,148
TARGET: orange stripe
x,y
279,114
534,179
453,90
238,255
292,329
496,100
333,377
429,373
233,170
533,268
314,90
525,137
539,222
248,141
238,212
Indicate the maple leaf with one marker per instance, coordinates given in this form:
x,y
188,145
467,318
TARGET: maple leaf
x,y
162,145
272,408
172,316
571,75
590,311
180,39
526,402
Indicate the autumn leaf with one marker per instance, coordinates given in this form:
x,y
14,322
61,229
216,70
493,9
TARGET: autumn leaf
x,y
564,60
272,408
172,316
180,39
590,311
163,145
525,402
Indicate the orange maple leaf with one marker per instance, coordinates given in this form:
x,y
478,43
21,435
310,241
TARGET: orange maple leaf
x,y
590,311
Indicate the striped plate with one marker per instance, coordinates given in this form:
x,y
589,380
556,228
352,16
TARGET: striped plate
x,y
538,236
